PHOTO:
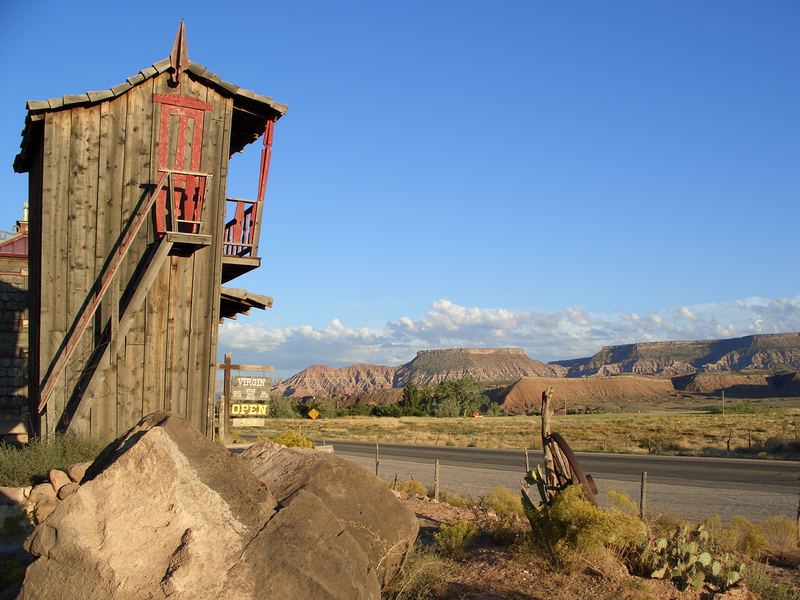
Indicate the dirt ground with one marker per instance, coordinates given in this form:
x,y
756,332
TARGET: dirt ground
x,y
504,572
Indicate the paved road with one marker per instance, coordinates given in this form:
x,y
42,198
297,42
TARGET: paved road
x,y
688,486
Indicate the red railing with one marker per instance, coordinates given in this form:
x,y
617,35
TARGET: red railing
x,y
184,213
240,231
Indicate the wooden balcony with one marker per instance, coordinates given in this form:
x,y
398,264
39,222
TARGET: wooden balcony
x,y
240,248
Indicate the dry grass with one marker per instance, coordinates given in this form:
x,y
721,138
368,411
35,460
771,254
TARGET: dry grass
x,y
655,433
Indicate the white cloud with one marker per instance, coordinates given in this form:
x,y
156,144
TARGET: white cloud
x,y
567,333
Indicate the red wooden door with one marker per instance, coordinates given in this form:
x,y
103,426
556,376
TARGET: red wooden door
x,y
180,147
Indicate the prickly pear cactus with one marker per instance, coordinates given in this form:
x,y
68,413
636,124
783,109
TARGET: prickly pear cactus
x,y
682,558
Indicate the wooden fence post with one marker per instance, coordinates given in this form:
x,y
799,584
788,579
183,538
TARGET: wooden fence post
x,y
436,480
377,459
225,417
549,471
221,421
798,518
643,496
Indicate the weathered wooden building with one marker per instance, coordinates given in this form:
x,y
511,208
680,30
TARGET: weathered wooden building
x,y
14,332
131,237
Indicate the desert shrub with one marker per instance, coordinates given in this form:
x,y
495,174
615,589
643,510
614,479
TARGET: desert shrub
x,y
622,502
663,524
508,512
766,588
422,572
453,499
572,527
743,536
412,488
452,540
780,534
293,439
30,464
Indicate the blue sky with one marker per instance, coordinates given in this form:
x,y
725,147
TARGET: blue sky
x,y
557,176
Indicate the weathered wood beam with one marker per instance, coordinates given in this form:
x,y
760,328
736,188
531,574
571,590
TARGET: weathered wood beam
x,y
81,411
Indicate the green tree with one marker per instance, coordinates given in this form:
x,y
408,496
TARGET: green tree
x,y
448,408
411,402
466,393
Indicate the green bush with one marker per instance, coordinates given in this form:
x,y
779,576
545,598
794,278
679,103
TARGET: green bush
x,y
622,502
780,534
766,588
30,464
452,540
453,499
572,527
293,439
507,507
412,488
744,537
421,574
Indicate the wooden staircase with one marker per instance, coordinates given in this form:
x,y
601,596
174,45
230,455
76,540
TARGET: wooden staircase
x,y
123,308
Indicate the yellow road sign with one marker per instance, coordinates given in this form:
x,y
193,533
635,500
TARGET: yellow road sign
x,y
313,414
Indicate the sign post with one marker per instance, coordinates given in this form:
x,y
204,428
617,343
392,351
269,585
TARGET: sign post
x,y
243,396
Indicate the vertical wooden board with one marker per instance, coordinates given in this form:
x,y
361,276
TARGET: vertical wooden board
x,y
80,225
130,384
183,329
206,293
196,331
156,342
137,169
193,88
218,154
35,182
137,185
55,205
170,336
110,189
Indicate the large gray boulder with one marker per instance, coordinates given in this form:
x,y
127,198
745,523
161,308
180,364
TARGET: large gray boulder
x,y
165,513
381,525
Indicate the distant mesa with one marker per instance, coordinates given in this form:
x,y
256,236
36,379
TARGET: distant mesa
x,y
772,352
672,366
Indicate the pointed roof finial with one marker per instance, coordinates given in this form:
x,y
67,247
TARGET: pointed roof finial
x,y
179,57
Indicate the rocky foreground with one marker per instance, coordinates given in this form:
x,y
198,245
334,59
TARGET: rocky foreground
x,y
165,513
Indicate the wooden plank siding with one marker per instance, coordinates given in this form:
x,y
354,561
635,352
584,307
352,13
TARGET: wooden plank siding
x,y
137,177
53,323
35,180
113,118
219,145
98,162
80,224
